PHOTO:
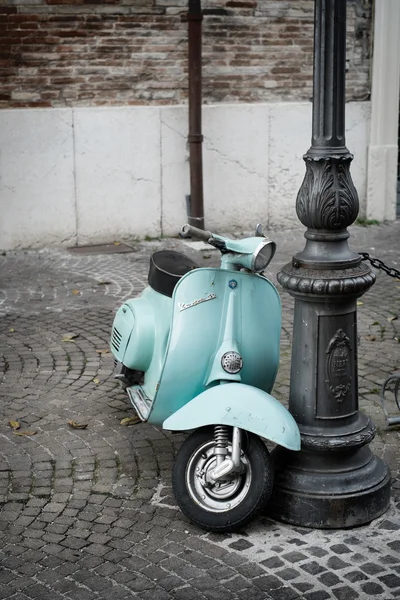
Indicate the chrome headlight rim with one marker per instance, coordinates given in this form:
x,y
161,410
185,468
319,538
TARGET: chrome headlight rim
x,y
266,242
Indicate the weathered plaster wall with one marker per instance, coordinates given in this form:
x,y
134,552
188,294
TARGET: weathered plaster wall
x,y
86,175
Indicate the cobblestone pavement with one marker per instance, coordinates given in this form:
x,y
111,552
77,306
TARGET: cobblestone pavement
x,y
88,513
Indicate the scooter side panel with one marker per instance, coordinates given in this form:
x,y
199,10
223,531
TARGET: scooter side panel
x,y
161,309
241,406
140,335
201,304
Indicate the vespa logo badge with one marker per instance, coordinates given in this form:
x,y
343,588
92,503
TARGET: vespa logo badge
x,y
233,284
183,306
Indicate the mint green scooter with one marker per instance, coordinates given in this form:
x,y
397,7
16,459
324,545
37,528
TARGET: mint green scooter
x,y
199,350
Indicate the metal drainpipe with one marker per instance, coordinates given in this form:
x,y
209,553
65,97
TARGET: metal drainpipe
x,y
195,206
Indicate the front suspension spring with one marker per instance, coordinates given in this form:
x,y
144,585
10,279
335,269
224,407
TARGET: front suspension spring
x,y
221,436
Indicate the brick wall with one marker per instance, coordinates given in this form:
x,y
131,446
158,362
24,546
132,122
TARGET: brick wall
x,y
131,52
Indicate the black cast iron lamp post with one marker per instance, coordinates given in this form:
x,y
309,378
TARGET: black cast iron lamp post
x,y
334,481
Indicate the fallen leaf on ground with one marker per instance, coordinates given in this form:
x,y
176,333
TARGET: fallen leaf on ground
x,y
70,338
14,424
75,292
360,303
370,338
103,282
95,380
394,318
130,421
25,432
76,425
105,351
12,330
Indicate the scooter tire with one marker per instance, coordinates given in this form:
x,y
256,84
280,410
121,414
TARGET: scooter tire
x,y
256,492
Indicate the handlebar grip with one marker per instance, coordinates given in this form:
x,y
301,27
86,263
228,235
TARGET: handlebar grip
x,y
189,230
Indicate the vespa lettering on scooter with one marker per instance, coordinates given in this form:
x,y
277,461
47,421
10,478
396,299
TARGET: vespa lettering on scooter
x,y
209,369
183,306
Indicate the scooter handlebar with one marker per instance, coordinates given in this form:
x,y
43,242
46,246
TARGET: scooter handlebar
x,y
189,231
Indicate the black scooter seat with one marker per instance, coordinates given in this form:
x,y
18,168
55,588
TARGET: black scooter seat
x,y
166,269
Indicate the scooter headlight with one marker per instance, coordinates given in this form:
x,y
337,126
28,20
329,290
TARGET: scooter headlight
x,y
232,362
263,255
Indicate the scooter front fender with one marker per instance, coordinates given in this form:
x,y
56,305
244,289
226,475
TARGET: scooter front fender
x,y
238,405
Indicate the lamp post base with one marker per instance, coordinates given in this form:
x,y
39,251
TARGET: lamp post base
x,y
336,491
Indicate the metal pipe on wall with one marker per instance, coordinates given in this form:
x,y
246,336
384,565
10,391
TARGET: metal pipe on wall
x,y
195,202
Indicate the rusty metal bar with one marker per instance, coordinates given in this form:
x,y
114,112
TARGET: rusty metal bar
x,y
195,137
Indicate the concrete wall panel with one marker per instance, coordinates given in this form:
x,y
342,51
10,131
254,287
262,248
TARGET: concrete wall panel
x,y
236,166
37,196
117,153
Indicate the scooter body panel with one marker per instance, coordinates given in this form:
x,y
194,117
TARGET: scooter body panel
x,y
239,405
214,311
140,334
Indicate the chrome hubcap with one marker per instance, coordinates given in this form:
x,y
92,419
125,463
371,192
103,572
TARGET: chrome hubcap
x,y
215,496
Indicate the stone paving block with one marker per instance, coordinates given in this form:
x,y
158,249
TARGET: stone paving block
x,y
294,557
158,594
82,594
371,568
286,593
329,579
171,582
268,582
344,593
51,562
391,581
371,588
272,563
317,596
217,593
316,551
33,543
394,545
139,584
48,577
237,583
313,568
340,549
336,563
288,574
69,555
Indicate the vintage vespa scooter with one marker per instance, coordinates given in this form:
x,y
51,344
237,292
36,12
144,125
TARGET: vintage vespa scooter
x,y
199,350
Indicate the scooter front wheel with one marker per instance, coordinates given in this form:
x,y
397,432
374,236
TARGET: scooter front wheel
x,y
231,502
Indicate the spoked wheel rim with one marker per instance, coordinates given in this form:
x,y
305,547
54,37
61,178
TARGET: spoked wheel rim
x,y
218,496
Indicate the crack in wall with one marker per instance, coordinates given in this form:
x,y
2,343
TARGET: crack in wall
x,y
210,148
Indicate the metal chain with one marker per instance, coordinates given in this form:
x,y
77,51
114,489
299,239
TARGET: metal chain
x,y
378,264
